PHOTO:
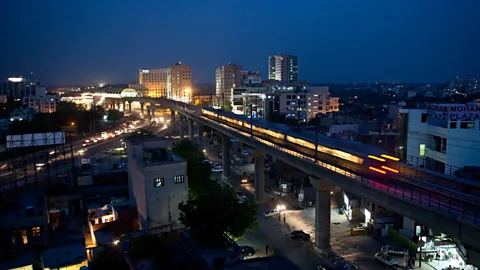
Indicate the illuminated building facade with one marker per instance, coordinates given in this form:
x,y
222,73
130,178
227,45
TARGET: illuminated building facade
x,y
155,80
226,78
179,82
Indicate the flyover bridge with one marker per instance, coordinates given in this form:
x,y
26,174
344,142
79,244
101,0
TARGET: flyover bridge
x,y
453,213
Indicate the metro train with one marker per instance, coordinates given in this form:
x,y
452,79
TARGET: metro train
x,y
346,154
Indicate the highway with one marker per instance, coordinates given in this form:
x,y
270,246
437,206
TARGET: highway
x,y
57,166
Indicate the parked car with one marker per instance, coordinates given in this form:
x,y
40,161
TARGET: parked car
x,y
300,235
394,251
245,153
271,213
247,251
385,259
208,162
241,197
217,169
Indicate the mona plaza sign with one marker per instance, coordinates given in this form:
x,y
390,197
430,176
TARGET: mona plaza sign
x,y
453,112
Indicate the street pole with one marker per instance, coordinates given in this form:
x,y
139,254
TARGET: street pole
x,y
251,120
316,139
301,191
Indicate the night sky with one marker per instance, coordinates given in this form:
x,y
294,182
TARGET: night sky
x,y
95,41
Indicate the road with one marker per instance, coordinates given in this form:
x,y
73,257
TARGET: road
x,y
275,232
59,165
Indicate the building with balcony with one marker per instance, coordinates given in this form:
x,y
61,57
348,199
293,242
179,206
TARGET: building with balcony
x,y
157,181
440,137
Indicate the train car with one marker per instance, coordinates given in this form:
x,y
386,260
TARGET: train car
x,y
354,156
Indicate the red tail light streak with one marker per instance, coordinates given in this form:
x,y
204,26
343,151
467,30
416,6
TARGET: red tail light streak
x,y
377,170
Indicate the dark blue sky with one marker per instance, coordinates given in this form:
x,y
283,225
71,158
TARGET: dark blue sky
x,y
93,41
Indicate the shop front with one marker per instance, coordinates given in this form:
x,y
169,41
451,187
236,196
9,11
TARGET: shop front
x,y
444,254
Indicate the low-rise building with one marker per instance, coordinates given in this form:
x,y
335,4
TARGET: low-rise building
x,y
22,114
157,182
440,137
206,100
41,102
24,221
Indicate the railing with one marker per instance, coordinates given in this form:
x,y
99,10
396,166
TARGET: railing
x,y
462,210
448,170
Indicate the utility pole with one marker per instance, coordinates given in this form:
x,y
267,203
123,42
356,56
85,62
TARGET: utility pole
x,y
251,119
317,127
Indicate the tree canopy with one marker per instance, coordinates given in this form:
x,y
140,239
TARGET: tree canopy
x,y
198,172
114,115
210,215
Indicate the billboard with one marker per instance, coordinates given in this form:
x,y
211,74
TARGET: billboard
x,y
453,112
35,139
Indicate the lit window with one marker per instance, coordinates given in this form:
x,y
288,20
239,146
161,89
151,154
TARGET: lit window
x,y
422,150
158,182
179,179
36,231
24,237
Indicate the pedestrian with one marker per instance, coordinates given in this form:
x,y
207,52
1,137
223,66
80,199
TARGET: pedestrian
x,y
267,249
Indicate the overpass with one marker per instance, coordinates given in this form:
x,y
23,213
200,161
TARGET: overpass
x,y
452,213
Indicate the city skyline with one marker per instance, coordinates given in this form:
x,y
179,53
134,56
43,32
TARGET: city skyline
x,y
69,43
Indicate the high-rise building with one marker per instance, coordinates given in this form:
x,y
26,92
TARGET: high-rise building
x,y
155,80
226,78
283,68
179,82
18,87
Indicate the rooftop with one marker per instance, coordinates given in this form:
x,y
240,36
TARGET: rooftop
x,y
26,210
62,256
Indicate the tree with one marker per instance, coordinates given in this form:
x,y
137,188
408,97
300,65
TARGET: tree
x,y
114,115
198,172
227,107
211,215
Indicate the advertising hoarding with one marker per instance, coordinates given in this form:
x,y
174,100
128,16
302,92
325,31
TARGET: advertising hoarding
x,y
35,139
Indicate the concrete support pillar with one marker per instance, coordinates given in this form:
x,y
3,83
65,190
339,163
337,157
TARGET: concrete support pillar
x,y
180,128
123,105
149,117
172,120
225,156
322,214
190,129
130,106
142,108
201,141
259,175
152,107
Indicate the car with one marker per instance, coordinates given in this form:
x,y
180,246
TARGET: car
x,y
247,251
108,151
393,250
245,153
385,259
217,169
208,162
216,165
271,213
241,197
300,235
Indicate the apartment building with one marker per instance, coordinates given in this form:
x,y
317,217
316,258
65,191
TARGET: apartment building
x,y
226,78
